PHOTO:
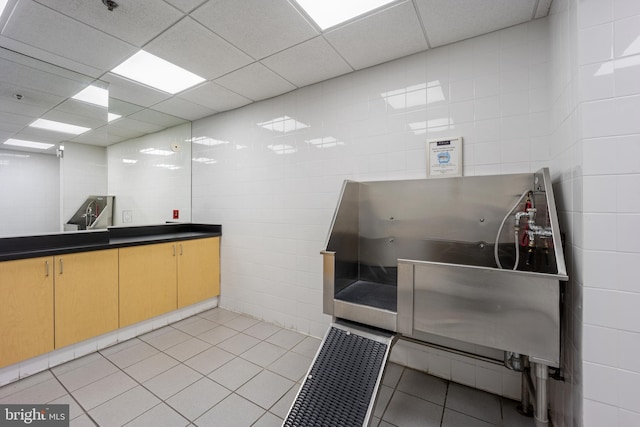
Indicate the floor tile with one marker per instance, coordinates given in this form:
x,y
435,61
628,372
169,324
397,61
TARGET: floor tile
x,y
382,400
219,315
132,354
82,421
307,347
75,364
217,335
268,420
195,327
282,406
104,389
263,354
476,403
392,374
457,419
25,383
172,381
159,416
424,386
168,338
209,360
262,330
74,409
116,348
42,392
291,365
125,407
511,417
241,323
406,410
286,339
198,398
265,389
87,373
187,349
234,411
149,368
238,344
235,373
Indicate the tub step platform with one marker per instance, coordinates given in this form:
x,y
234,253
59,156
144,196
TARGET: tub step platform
x,y
343,381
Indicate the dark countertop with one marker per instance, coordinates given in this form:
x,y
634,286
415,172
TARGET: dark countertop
x,y
22,247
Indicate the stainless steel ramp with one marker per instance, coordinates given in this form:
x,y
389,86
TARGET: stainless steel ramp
x,y
342,383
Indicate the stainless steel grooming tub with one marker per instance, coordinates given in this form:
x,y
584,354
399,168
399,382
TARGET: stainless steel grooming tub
x,y
417,257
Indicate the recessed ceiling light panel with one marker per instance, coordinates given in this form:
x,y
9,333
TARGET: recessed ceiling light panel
x,y
59,127
327,13
93,95
153,71
28,144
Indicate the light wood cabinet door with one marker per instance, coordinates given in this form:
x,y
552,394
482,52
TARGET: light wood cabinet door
x,y
26,312
86,295
147,282
198,270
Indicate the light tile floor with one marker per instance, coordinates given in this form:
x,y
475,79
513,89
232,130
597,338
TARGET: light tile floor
x,y
219,368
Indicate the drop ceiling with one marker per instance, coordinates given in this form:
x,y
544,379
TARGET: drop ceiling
x,y
247,50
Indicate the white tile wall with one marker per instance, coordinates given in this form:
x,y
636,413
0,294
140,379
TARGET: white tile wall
x,y
597,92
151,185
29,193
84,174
276,167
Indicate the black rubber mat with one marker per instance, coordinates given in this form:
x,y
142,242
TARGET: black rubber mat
x,y
371,294
341,383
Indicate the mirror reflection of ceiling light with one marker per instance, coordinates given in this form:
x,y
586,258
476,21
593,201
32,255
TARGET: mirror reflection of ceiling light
x,y
93,95
167,166
324,142
205,160
112,116
59,127
282,148
3,4
610,66
157,152
156,72
129,161
205,140
327,13
28,144
283,124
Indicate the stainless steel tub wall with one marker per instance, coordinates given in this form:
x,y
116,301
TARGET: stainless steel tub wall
x,y
509,310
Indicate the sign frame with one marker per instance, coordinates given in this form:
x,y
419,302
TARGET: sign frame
x,y
444,157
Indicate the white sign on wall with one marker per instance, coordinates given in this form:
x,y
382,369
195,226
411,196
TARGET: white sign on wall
x,y
444,157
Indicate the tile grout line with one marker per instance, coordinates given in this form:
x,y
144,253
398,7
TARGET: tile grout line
x,y
74,398
444,404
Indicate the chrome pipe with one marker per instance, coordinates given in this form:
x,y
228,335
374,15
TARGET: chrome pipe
x,y
541,411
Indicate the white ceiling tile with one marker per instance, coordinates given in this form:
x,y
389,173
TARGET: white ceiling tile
x,y
41,135
448,21
309,62
391,33
135,93
9,104
194,47
186,5
115,133
122,108
74,119
126,124
258,27
543,8
39,26
134,22
33,103
214,97
182,108
12,122
149,115
99,137
255,82
79,108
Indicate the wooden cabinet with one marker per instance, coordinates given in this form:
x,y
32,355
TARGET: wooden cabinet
x,y
26,315
198,270
158,278
86,295
147,282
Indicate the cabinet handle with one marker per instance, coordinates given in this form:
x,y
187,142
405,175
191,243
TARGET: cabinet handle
x,y
180,249
46,268
174,249
61,266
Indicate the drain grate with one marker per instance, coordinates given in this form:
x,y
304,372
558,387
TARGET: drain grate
x,y
341,383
